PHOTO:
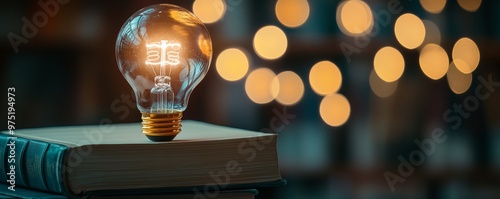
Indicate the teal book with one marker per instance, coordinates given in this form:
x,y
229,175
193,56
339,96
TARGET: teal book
x,y
106,159
19,192
34,194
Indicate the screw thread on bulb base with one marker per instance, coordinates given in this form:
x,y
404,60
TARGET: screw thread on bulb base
x,y
161,127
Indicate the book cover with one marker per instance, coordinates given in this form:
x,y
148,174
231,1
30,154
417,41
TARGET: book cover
x,y
26,193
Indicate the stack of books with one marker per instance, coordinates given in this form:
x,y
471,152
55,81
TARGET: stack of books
x,y
117,161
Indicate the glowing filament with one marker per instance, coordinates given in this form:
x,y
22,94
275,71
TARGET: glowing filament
x,y
163,53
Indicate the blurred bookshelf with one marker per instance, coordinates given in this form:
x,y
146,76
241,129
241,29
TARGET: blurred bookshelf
x,y
67,75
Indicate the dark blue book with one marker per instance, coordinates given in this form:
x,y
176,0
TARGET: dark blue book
x,y
19,192
117,158
35,194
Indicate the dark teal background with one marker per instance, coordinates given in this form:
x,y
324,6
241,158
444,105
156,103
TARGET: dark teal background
x,y
67,75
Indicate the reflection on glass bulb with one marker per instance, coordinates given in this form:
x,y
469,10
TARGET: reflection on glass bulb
x,y
163,51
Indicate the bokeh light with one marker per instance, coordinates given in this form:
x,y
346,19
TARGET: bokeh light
x,y
380,87
232,64
209,11
409,31
433,6
469,5
459,82
434,61
261,86
291,88
325,78
292,13
270,42
389,64
335,109
432,33
467,51
354,17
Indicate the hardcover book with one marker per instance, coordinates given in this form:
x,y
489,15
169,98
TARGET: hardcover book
x,y
111,158
29,193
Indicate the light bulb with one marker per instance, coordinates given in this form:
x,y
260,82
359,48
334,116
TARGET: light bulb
x,y
163,51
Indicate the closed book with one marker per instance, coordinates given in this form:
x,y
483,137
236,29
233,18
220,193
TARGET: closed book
x,y
111,158
26,193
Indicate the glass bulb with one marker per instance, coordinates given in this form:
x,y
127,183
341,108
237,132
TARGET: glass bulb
x,y
163,51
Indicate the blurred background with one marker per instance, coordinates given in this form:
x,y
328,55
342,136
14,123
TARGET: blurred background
x,y
361,82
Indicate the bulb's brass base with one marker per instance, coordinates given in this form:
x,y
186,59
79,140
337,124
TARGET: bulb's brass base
x,y
161,127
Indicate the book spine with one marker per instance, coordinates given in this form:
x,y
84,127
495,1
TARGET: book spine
x,y
53,165
18,163
33,159
38,164
26,193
